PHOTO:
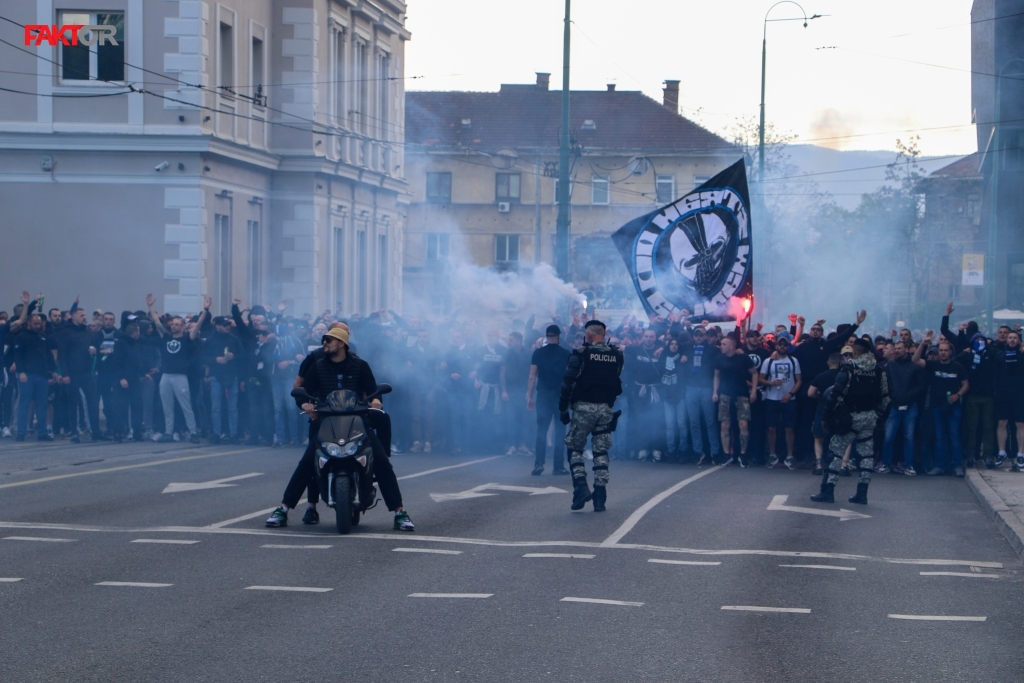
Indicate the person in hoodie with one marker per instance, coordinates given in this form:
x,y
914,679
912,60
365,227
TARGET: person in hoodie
x,y
863,388
75,355
907,385
979,420
106,374
261,397
643,395
33,361
127,366
223,354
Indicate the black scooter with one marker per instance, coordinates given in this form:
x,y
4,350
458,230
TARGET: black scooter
x,y
345,452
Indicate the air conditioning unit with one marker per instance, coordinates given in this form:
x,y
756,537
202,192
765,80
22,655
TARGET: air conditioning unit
x,y
504,207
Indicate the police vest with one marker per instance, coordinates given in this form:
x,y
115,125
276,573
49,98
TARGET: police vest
x,y
865,389
599,374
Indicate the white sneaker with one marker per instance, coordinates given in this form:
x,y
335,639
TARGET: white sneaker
x,y
525,452
773,460
426,447
7,432
158,437
1020,461
176,436
394,450
657,456
511,451
642,456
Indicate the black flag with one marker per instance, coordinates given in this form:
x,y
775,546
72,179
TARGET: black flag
x,y
695,253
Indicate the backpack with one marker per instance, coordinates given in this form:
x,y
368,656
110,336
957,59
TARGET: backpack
x,y
837,419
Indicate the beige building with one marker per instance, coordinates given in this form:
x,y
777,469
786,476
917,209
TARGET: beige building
x,y
245,148
482,169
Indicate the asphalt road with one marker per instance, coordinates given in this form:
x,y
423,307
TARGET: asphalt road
x,y
675,555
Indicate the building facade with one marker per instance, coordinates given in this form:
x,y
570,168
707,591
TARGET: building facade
x,y
245,148
483,167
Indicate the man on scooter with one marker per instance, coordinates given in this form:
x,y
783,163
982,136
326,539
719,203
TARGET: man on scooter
x,y
339,369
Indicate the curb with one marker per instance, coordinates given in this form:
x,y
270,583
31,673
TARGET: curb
x,y
1007,522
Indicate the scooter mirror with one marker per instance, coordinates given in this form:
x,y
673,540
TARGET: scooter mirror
x,y
301,393
382,388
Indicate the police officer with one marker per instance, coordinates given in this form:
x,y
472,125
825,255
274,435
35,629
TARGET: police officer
x,y
863,389
590,386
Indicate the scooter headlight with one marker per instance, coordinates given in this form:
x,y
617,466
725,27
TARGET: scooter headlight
x,y
333,449
353,447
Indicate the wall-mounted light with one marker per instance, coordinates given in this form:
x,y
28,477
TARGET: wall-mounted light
x,y
224,193
256,200
181,166
206,169
206,118
181,117
319,186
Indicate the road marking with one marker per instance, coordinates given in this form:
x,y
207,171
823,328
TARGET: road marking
x,y
688,562
639,513
290,589
433,551
450,595
134,584
751,608
168,541
258,513
844,515
819,566
35,538
9,580
970,575
448,467
301,547
599,601
179,487
477,492
927,617
567,555
122,467
961,563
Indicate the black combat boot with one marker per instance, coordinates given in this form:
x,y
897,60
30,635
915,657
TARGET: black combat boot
x,y
862,494
600,496
826,495
580,494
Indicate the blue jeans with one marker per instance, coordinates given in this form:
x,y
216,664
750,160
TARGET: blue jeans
x,y
35,389
285,411
677,425
217,390
699,404
908,419
947,434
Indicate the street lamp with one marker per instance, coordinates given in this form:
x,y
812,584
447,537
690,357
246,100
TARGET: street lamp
x,y
760,130
994,144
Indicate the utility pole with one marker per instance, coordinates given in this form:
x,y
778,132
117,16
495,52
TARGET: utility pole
x,y
562,227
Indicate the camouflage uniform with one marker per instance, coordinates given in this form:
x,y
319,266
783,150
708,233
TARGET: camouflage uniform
x,y
590,419
864,451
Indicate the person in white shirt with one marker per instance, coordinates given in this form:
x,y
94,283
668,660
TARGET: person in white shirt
x,y
780,375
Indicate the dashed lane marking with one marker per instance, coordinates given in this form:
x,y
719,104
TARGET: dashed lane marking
x,y
120,468
687,562
134,584
39,538
289,589
9,580
296,546
970,575
752,608
451,595
571,556
168,541
934,617
601,601
432,551
820,566
243,518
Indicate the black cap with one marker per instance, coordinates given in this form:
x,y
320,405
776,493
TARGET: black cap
x,y
553,331
222,320
595,323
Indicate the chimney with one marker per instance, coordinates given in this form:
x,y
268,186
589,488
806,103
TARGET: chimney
x,y
611,87
543,81
671,96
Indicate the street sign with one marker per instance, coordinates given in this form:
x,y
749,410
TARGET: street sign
x,y
176,487
478,492
779,503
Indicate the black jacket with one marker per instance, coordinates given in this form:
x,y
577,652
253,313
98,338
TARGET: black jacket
x,y
592,376
907,382
31,352
325,376
73,344
127,359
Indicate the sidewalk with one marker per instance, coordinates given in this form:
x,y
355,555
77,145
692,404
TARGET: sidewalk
x,y
1001,493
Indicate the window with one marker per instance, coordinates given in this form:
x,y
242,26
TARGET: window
x,y
226,67
437,246
361,271
94,62
599,189
507,187
359,89
699,180
222,261
339,267
257,63
555,195
382,271
439,187
338,77
255,260
383,91
973,206
665,185
506,248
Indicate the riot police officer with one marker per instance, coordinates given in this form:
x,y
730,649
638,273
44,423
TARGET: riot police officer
x,y
590,386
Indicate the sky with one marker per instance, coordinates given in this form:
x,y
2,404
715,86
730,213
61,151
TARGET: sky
x,y
892,68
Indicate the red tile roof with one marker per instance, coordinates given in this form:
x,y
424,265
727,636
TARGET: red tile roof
x,y
525,116
968,167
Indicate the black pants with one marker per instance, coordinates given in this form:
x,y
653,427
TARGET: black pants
x,y
86,384
107,385
380,423
547,410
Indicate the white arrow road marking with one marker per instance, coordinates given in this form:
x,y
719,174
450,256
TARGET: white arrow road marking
x,y
176,487
779,503
478,492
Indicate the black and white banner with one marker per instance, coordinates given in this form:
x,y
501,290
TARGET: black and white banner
x,y
695,253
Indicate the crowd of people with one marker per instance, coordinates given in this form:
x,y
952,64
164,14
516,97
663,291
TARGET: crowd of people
x,y
692,392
